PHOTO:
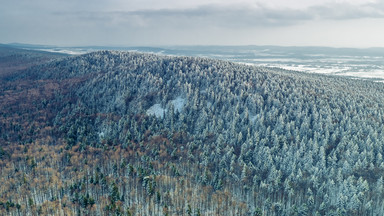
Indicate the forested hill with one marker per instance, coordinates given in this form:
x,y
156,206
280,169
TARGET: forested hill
x,y
14,59
121,133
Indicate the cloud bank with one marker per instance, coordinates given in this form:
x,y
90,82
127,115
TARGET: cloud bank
x,y
166,21
249,15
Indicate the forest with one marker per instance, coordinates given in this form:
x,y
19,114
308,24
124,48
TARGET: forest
x,y
126,133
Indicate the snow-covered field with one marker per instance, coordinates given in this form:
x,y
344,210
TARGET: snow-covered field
x,y
353,66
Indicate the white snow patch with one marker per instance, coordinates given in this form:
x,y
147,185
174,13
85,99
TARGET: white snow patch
x,y
178,103
253,118
101,135
379,74
67,51
209,105
156,110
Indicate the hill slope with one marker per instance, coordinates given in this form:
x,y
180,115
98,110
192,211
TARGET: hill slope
x,y
128,133
13,59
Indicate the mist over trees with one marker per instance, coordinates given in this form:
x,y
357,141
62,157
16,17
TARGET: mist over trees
x,y
124,133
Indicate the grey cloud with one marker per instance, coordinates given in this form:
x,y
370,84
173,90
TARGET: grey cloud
x,y
338,11
208,15
75,23
237,16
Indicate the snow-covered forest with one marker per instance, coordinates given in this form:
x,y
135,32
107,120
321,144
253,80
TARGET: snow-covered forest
x,y
124,133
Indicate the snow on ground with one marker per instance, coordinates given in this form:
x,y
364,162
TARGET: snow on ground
x,y
378,74
156,110
66,51
253,118
178,103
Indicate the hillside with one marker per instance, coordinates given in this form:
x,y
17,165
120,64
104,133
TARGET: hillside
x,y
123,133
13,59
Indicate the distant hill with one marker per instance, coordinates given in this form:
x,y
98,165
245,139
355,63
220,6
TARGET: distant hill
x,y
127,133
13,59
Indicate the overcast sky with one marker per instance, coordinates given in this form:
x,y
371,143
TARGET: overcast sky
x,y
337,23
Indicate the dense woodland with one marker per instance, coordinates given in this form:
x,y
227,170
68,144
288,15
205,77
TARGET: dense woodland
x,y
122,133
